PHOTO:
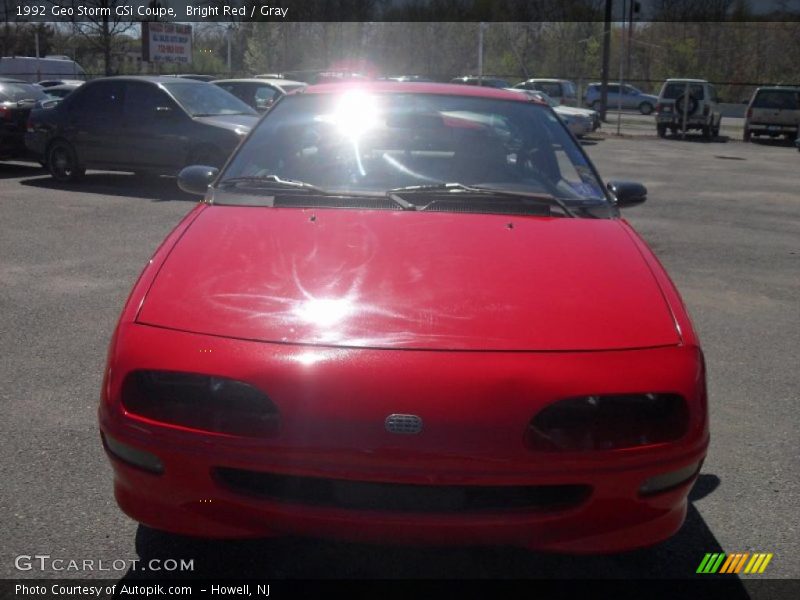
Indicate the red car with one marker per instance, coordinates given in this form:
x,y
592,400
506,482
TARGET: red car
x,y
407,313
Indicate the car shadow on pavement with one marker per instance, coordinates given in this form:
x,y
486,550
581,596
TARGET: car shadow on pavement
x,y
157,189
290,558
774,142
699,139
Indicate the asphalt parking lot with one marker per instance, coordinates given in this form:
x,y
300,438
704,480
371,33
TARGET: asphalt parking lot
x,y
724,218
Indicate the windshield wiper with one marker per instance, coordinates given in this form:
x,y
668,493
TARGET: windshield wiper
x,y
276,182
224,114
455,188
272,182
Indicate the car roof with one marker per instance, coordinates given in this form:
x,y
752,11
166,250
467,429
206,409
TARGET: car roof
x,y
531,95
417,87
150,79
275,82
779,88
683,79
460,77
64,86
546,79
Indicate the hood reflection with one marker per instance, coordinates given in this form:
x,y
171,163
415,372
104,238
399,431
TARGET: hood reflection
x,y
324,312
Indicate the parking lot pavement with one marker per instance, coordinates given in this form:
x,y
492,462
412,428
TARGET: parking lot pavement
x,y
724,219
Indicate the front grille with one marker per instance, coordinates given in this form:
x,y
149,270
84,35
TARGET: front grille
x,y
360,495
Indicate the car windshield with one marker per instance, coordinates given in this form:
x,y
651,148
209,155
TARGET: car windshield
x,y
551,88
358,142
676,89
16,92
288,88
778,99
205,99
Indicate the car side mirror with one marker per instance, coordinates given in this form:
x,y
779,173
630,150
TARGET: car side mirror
x,y
627,193
196,179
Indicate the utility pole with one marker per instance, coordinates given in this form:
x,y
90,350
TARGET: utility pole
x,y
606,48
621,73
633,13
228,38
481,29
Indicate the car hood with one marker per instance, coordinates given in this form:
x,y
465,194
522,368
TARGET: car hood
x,y
411,280
575,112
232,122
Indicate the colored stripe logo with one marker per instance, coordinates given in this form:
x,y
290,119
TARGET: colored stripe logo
x,y
736,562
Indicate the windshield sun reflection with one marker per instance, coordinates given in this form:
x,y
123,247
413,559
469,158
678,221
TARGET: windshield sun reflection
x,y
355,113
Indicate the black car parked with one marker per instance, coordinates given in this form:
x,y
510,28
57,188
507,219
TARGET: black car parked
x,y
140,124
17,99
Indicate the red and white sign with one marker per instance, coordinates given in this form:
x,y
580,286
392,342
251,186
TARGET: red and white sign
x,y
166,43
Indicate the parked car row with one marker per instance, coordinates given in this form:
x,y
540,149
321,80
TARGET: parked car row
x,y
172,121
167,122
692,104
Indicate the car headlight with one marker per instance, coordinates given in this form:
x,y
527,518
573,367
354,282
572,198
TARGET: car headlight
x,y
608,422
200,402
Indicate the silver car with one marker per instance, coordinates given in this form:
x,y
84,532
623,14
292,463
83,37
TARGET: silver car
x,y
629,98
579,121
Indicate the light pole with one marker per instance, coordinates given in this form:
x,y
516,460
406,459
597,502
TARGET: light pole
x,y
621,71
229,32
481,28
606,46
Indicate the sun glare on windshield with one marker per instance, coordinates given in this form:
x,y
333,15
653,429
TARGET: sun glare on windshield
x,y
356,112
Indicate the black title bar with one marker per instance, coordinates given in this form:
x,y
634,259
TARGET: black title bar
x,y
394,10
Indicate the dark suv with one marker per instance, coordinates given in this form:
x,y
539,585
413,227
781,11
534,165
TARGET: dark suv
x,y
140,124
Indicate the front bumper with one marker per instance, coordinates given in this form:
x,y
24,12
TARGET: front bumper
x,y
676,120
767,128
333,403
581,127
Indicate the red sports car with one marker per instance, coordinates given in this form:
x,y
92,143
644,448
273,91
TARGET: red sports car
x,y
407,313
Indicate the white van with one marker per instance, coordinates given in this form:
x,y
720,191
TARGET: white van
x,y
32,69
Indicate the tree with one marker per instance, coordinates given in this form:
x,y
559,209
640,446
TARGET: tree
x,y
19,39
100,28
